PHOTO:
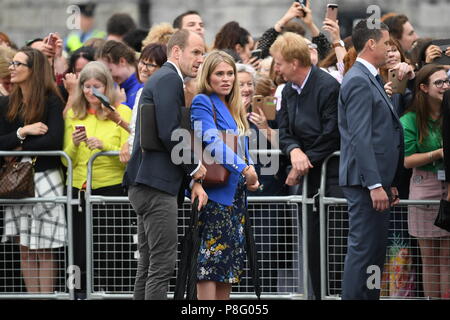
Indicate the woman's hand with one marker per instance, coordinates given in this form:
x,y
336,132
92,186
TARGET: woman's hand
x,y
121,95
94,143
294,11
432,53
333,28
388,88
254,62
35,129
259,119
250,175
70,83
125,155
404,70
78,136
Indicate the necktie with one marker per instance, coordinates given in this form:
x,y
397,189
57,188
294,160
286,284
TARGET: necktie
x,y
380,81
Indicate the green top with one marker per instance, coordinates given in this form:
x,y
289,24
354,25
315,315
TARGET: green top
x,y
430,143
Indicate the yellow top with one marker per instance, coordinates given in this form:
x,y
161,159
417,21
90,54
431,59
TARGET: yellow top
x,y
107,171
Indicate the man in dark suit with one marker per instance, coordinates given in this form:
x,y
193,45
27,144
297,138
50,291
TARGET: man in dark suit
x,y
371,158
153,179
308,129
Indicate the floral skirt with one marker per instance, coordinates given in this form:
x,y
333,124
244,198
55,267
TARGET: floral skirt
x,y
222,246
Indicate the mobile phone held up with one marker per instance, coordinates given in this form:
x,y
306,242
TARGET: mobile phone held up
x,y
303,3
51,39
256,53
332,12
103,99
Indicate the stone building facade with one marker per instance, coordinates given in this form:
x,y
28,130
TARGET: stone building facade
x,y
27,19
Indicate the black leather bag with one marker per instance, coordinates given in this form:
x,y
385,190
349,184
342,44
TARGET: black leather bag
x,y
443,218
148,128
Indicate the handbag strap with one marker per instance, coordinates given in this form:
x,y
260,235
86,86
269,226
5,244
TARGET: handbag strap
x,y
213,110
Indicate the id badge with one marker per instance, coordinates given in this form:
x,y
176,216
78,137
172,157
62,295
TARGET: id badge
x,y
441,175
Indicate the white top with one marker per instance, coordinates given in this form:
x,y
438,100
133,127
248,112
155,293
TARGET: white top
x,y
134,113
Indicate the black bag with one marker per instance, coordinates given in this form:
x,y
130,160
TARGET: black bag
x,y
443,218
149,130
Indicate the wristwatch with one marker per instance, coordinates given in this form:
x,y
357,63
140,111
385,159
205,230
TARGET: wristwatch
x,y
340,43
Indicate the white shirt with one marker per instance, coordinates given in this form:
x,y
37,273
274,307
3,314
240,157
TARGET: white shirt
x,y
300,88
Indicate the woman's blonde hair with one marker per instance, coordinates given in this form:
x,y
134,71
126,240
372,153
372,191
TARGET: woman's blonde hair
x,y
233,100
160,33
93,70
6,56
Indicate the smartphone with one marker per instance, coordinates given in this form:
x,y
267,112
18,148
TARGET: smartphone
x,y
51,40
397,85
332,11
103,99
267,104
257,53
443,44
304,4
80,127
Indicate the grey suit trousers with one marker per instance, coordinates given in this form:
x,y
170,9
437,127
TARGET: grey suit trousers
x,y
367,242
157,213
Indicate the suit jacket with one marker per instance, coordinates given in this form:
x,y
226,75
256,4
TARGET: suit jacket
x,y
371,134
446,133
155,169
309,121
202,119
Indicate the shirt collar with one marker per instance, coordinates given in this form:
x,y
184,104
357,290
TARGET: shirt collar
x,y
300,88
178,70
369,66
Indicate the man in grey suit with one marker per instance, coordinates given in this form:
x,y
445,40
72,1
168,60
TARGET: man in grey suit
x,y
371,156
153,180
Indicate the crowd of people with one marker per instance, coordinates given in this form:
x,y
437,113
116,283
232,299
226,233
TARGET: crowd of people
x,y
330,94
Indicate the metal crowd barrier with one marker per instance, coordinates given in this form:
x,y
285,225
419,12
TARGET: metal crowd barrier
x,y
11,281
276,227
402,277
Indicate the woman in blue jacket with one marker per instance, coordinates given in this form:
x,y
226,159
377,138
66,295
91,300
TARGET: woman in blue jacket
x,y
218,106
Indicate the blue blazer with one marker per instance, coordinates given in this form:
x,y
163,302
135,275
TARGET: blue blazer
x,y
202,120
371,133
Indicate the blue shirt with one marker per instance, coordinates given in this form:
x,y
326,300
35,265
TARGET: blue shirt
x,y
131,86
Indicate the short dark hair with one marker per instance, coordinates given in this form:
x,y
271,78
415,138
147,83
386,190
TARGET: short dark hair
x,y
156,52
120,23
395,25
179,38
177,23
362,33
87,53
134,39
112,51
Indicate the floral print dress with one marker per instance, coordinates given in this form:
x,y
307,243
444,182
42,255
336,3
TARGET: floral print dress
x,y
222,253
